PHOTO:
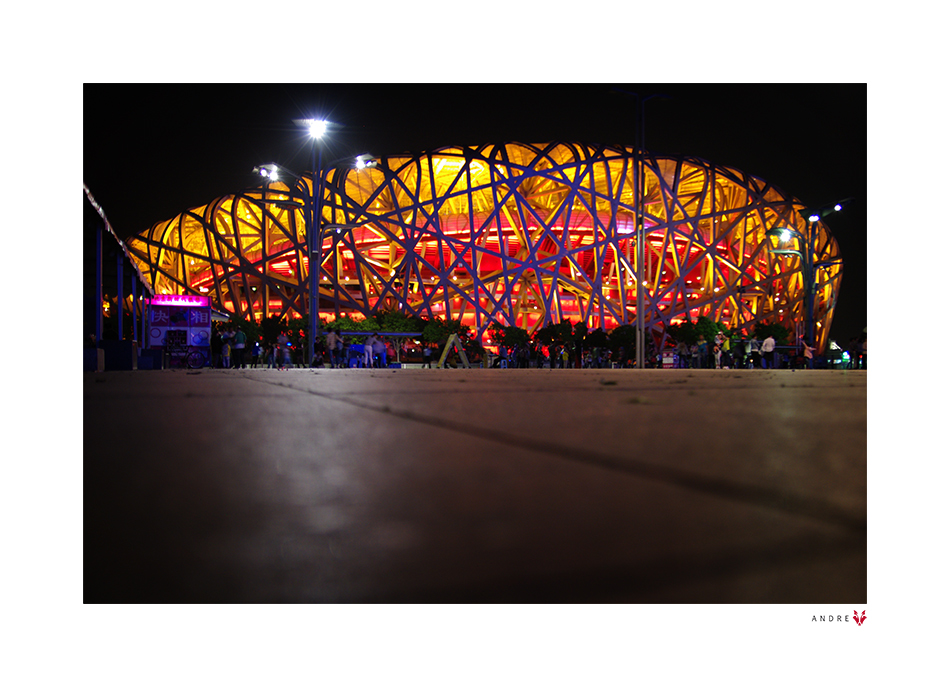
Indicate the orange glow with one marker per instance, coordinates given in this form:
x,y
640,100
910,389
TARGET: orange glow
x,y
438,244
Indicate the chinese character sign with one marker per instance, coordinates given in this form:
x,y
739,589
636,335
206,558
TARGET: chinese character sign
x,y
183,315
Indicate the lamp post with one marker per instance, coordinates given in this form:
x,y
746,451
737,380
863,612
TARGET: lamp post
x,y
317,128
641,210
315,230
806,253
640,189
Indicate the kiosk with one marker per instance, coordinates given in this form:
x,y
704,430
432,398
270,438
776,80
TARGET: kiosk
x,y
180,325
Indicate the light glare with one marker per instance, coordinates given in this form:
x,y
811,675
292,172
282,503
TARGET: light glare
x,y
318,127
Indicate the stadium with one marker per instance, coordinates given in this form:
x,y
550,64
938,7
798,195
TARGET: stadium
x,y
517,234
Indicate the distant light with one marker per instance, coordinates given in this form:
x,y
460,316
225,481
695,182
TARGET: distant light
x,y
318,127
813,218
838,207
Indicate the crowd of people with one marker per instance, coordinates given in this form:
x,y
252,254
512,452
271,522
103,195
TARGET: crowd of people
x,y
723,353
230,350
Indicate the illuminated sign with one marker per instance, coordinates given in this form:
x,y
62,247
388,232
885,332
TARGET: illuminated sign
x,y
179,321
182,299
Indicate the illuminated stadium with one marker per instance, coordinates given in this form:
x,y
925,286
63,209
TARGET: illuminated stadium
x,y
517,234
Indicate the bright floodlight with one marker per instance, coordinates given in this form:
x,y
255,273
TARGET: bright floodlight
x,y
838,207
786,235
318,127
813,218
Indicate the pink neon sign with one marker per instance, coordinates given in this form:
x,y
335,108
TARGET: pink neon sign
x,y
181,299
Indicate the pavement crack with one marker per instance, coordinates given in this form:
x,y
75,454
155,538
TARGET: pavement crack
x,y
764,497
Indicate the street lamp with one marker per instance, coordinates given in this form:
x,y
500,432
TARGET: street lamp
x,y
806,253
366,161
640,184
315,231
641,211
316,128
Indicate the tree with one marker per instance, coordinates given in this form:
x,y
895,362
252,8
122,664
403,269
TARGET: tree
x,y
271,328
554,334
580,332
706,328
623,336
508,336
775,330
438,330
596,338
685,332
396,321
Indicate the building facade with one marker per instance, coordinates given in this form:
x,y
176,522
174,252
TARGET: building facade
x,y
520,234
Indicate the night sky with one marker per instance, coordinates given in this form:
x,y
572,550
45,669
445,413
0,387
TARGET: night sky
x,y
154,151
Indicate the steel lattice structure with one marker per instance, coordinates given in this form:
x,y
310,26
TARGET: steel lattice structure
x,y
519,234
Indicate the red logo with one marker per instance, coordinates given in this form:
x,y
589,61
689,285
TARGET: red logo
x,y
859,621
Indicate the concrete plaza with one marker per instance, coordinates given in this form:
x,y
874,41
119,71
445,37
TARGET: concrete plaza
x,y
469,486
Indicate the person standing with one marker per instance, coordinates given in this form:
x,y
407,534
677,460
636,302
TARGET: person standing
x,y
368,350
282,354
809,354
332,340
379,352
682,355
255,353
426,355
768,352
216,342
226,353
240,341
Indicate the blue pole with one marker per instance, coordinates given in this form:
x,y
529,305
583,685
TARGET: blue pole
x,y
98,284
120,297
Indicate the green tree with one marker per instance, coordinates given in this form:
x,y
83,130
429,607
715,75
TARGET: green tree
x,y
580,335
438,330
396,321
623,336
346,323
508,336
684,332
554,334
775,330
596,338
271,329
